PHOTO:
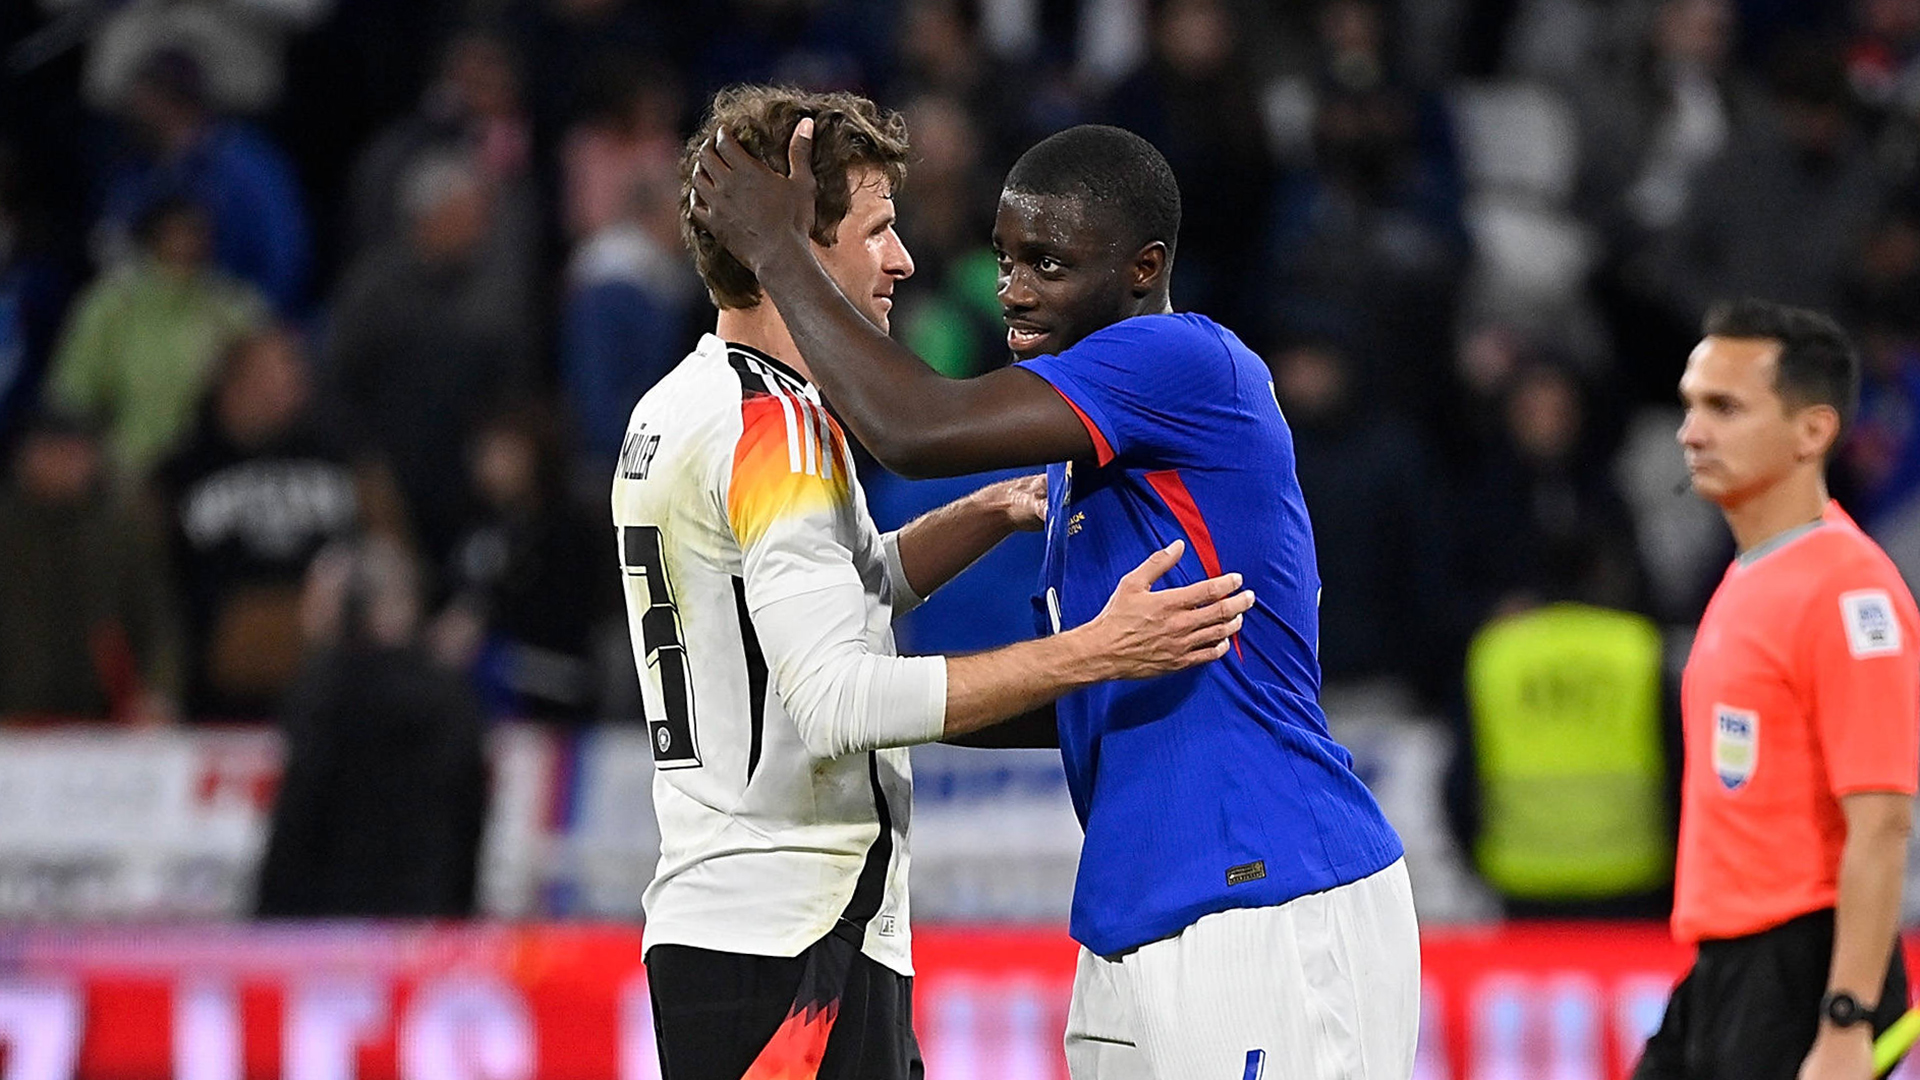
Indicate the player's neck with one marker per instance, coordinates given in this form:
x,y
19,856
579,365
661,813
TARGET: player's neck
x,y
760,327
1795,501
1159,303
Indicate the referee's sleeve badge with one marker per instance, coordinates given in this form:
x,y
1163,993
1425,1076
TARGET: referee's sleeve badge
x,y
1872,627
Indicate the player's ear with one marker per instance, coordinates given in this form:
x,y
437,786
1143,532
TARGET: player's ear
x,y
1149,267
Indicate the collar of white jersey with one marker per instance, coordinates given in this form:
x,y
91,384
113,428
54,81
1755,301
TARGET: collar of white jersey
x,y
764,363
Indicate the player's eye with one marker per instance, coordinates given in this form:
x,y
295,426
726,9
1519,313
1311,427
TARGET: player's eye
x,y
1048,264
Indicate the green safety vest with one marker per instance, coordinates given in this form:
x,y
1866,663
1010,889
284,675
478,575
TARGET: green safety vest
x,y
1565,705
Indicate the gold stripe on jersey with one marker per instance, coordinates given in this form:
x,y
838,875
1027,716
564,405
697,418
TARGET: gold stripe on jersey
x,y
770,483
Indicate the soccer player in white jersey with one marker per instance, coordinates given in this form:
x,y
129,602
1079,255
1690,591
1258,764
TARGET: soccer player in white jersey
x,y
759,594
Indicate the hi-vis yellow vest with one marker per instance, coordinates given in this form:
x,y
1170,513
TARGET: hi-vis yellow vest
x,y
1565,702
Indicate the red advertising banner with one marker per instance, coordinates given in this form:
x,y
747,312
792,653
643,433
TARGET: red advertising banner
x,y
569,1002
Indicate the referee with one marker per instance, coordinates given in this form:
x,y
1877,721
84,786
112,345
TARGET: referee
x,y
1799,712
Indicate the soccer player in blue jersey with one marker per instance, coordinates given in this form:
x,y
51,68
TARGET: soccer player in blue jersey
x,y
1242,903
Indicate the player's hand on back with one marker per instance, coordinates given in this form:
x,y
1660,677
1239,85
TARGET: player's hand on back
x,y
753,211
1145,631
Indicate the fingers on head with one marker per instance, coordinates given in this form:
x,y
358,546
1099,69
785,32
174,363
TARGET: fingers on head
x,y
800,149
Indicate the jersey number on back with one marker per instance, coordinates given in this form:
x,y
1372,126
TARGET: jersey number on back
x,y
665,670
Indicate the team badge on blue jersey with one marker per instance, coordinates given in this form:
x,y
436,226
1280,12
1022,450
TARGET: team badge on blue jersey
x,y
1736,745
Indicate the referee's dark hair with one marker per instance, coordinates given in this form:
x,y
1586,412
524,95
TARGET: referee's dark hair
x,y
1111,171
1817,365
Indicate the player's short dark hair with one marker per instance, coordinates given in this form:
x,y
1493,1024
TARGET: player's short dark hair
x,y
1112,171
848,132
1817,365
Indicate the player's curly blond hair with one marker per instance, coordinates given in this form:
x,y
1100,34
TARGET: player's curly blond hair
x,y
848,132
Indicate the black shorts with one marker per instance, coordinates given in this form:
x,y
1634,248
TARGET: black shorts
x,y
729,1016
1750,1007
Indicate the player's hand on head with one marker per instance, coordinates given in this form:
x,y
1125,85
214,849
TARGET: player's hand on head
x,y
753,211
1145,631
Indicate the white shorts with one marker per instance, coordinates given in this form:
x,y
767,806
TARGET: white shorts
x,y
1325,987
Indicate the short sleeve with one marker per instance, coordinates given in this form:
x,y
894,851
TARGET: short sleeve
x,y
790,500
1866,680
1156,386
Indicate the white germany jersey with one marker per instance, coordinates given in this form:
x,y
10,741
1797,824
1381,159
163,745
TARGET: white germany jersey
x,y
735,490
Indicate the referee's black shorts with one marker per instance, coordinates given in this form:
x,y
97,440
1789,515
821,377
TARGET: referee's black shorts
x,y
1750,1007
717,1015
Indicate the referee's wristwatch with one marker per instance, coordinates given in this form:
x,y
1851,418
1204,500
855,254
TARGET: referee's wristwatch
x,y
1843,1010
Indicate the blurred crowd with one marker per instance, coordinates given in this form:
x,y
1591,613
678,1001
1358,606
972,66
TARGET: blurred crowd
x,y
285,277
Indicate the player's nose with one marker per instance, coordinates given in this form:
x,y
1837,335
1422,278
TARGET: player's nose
x,y
899,261
1016,292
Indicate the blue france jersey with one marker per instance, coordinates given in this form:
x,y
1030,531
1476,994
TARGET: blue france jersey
x,y
1218,787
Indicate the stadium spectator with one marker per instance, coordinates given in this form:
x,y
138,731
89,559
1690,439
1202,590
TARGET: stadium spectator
x,y
1194,98
569,43
1801,716
240,44
1651,124
1883,59
259,488
427,335
1367,241
1487,359
630,128
1651,129
34,289
820,44
383,797
143,340
186,150
1369,484
1804,163
529,576
1561,789
87,621
939,51
472,108
1878,463
348,78
1540,520
633,308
